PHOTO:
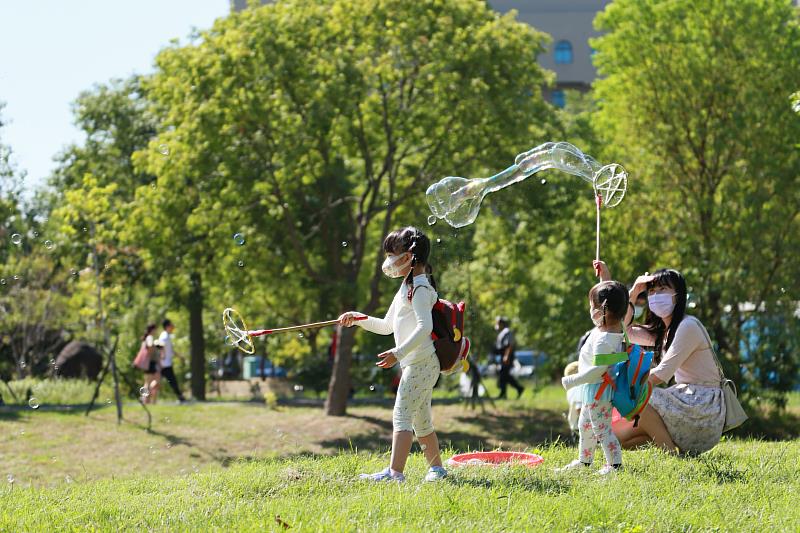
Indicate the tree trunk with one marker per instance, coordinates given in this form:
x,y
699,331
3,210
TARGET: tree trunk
x,y
196,339
339,386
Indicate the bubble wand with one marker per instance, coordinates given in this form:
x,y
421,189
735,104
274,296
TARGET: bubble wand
x,y
238,335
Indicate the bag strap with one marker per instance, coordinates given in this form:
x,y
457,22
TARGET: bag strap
x,y
722,377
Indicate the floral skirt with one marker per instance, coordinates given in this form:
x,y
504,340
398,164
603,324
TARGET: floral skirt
x,y
693,414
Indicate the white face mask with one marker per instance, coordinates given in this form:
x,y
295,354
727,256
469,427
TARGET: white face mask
x,y
597,316
661,304
391,267
638,310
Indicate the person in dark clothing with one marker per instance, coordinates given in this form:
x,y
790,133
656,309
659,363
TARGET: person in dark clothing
x,y
504,348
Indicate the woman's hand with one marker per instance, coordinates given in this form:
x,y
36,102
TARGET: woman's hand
x,y
601,268
348,319
641,284
387,359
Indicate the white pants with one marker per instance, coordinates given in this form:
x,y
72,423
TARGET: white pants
x,y
412,407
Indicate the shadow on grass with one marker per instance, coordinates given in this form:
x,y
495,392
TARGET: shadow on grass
x,y
549,487
475,431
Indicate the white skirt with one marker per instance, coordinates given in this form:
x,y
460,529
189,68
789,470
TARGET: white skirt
x,y
693,414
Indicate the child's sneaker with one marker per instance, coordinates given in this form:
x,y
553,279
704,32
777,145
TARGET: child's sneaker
x,y
608,470
435,473
577,464
384,475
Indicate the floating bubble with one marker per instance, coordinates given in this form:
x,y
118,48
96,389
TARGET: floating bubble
x,y
67,478
153,186
372,388
16,278
33,403
438,241
35,233
49,245
241,263
544,181
431,219
300,335
10,478
458,200
298,388
73,271
22,364
144,392
239,239
344,244
16,238
783,290
108,401
163,149
3,281
85,229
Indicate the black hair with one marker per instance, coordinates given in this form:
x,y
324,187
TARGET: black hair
x,y
667,277
148,330
612,298
410,239
166,323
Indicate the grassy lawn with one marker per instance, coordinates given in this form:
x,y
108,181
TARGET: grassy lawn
x,y
235,466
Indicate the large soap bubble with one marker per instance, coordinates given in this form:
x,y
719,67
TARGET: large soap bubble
x,y
458,200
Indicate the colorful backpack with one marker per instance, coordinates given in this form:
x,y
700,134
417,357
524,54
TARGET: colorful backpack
x,y
448,337
627,376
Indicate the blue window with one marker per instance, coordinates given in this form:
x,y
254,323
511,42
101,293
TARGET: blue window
x,y
563,53
558,98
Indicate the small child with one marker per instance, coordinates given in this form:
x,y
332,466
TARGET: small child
x,y
608,303
409,318
574,398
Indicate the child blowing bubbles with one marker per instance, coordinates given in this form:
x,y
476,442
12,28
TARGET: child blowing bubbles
x,y
608,303
409,318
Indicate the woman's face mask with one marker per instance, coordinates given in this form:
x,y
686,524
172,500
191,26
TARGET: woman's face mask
x,y
394,265
661,303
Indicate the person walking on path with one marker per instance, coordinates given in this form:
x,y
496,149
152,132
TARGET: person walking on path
x,y
504,347
167,355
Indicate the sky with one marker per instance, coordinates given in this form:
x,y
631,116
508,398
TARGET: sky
x,y
51,50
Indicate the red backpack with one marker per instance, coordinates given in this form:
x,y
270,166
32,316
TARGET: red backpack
x,y
452,347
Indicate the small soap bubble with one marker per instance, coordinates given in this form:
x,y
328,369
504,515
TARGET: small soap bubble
x,y
16,238
2,281
431,220
300,335
163,149
16,278
33,403
241,264
85,229
144,392
153,186
543,182
49,245
783,290
438,241
298,388
22,364
372,388
35,233
73,271
344,244
239,239
68,479
108,401
10,478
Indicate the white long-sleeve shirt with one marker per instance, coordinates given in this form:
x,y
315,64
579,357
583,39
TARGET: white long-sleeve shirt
x,y
411,322
599,342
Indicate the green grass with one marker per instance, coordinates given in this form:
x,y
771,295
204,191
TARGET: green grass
x,y
244,467
740,486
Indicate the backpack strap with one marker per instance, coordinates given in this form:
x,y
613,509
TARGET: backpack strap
x,y
608,359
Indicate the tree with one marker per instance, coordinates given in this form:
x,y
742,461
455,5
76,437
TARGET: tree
x,y
695,94
318,125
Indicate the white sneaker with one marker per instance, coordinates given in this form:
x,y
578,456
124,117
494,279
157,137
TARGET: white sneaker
x,y
383,475
574,465
435,473
608,470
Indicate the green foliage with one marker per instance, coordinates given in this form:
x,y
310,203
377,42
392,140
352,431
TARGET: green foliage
x,y
695,95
